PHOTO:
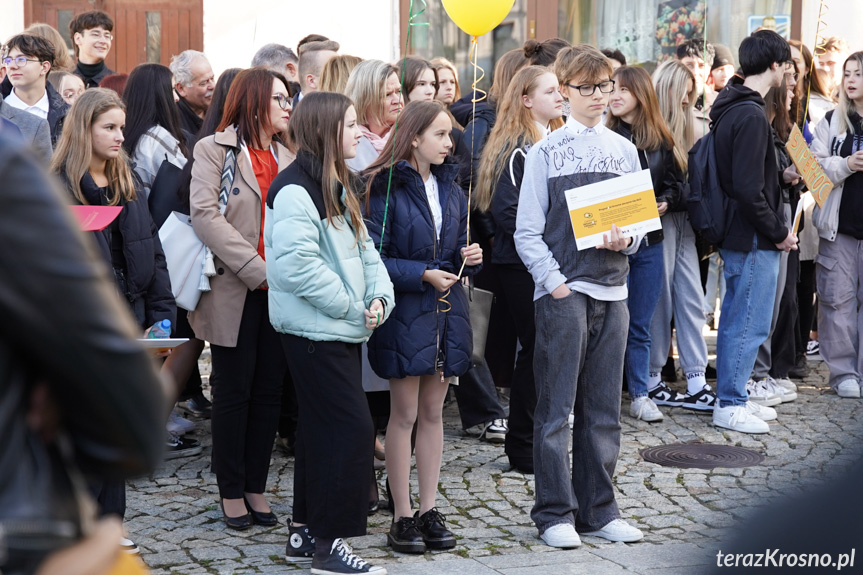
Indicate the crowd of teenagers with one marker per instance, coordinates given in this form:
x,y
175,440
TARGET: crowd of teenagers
x,y
351,205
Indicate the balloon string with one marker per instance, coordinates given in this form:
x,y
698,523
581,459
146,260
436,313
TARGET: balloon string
x,y
411,24
820,41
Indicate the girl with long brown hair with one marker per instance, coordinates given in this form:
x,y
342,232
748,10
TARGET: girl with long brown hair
x,y
91,162
634,114
248,366
328,291
422,240
530,108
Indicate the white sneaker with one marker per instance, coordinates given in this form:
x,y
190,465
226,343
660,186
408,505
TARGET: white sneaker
x,y
738,418
785,395
562,535
761,412
128,546
848,388
785,383
179,425
644,409
571,420
759,393
618,530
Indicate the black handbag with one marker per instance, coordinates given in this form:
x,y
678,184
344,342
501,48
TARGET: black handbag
x,y
479,303
163,197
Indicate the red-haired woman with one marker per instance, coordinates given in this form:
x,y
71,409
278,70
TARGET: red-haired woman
x,y
248,363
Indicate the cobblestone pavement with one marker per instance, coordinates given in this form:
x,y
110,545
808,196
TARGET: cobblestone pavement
x,y
685,513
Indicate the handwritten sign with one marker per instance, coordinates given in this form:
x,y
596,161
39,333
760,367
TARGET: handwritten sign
x,y
808,167
627,202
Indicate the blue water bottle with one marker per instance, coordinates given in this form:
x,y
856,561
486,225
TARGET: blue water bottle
x,y
160,330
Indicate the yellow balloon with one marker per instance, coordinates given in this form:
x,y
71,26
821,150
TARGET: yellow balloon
x,y
477,17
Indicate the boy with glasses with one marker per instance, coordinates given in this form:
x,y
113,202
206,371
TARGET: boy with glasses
x,y
581,315
28,59
91,34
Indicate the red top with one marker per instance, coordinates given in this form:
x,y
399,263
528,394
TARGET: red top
x,y
265,166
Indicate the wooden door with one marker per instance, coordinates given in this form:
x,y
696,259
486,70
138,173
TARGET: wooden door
x,y
144,31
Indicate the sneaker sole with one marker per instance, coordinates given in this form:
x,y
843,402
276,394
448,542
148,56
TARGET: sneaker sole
x,y
297,560
494,437
647,420
751,431
569,546
184,453
400,547
698,407
769,402
791,396
436,544
668,403
632,539
377,571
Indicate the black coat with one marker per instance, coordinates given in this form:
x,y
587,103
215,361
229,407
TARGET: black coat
x,y
749,174
65,330
146,272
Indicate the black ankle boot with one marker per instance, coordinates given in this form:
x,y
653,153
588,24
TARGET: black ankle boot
x,y
405,536
432,525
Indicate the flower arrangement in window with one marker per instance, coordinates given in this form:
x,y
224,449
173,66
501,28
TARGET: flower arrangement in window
x,y
677,21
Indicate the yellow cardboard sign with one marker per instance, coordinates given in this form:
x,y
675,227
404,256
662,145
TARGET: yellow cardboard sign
x,y
808,167
627,202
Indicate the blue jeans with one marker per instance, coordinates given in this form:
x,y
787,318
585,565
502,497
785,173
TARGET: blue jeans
x,y
747,310
578,362
646,270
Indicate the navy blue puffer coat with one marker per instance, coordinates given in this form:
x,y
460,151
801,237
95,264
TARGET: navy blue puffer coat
x,y
420,332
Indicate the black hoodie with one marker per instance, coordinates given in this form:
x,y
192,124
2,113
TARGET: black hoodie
x,y
748,173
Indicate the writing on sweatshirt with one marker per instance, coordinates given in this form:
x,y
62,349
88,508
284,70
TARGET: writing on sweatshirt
x,y
571,157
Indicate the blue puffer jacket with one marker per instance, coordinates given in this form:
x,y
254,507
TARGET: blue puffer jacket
x,y
408,343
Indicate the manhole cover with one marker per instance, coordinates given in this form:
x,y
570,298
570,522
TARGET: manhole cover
x,y
701,455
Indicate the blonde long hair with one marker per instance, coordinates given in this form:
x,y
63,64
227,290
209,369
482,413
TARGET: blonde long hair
x,y
514,122
846,108
670,80
75,148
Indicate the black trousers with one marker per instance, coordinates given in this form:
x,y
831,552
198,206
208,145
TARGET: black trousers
x,y
518,286
247,392
288,416
183,329
110,495
335,437
783,344
806,299
477,396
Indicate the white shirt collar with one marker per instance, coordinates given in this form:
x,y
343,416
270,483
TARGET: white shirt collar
x,y
546,130
40,108
580,128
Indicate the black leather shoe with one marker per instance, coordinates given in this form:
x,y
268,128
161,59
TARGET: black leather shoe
x,y
240,523
432,525
405,536
373,507
522,464
267,519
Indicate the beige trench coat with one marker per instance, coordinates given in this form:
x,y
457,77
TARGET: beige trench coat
x,y
232,237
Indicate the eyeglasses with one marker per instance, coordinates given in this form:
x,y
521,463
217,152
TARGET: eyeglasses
x,y
20,61
283,101
97,35
586,90
793,75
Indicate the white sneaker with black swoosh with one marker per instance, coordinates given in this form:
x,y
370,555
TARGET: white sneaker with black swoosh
x,y
704,400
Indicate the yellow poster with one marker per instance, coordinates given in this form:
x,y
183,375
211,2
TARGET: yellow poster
x,y
808,167
626,201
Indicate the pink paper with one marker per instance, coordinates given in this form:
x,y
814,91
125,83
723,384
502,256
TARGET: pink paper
x,y
95,218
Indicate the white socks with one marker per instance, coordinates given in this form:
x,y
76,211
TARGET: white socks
x,y
654,378
695,382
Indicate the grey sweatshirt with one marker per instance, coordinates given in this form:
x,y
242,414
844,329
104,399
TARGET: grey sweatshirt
x,y
568,158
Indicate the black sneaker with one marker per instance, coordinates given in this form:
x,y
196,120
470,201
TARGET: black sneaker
x,y
432,524
405,536
495,431
197,405
177,446
664,395
341,560
301,545
704,400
